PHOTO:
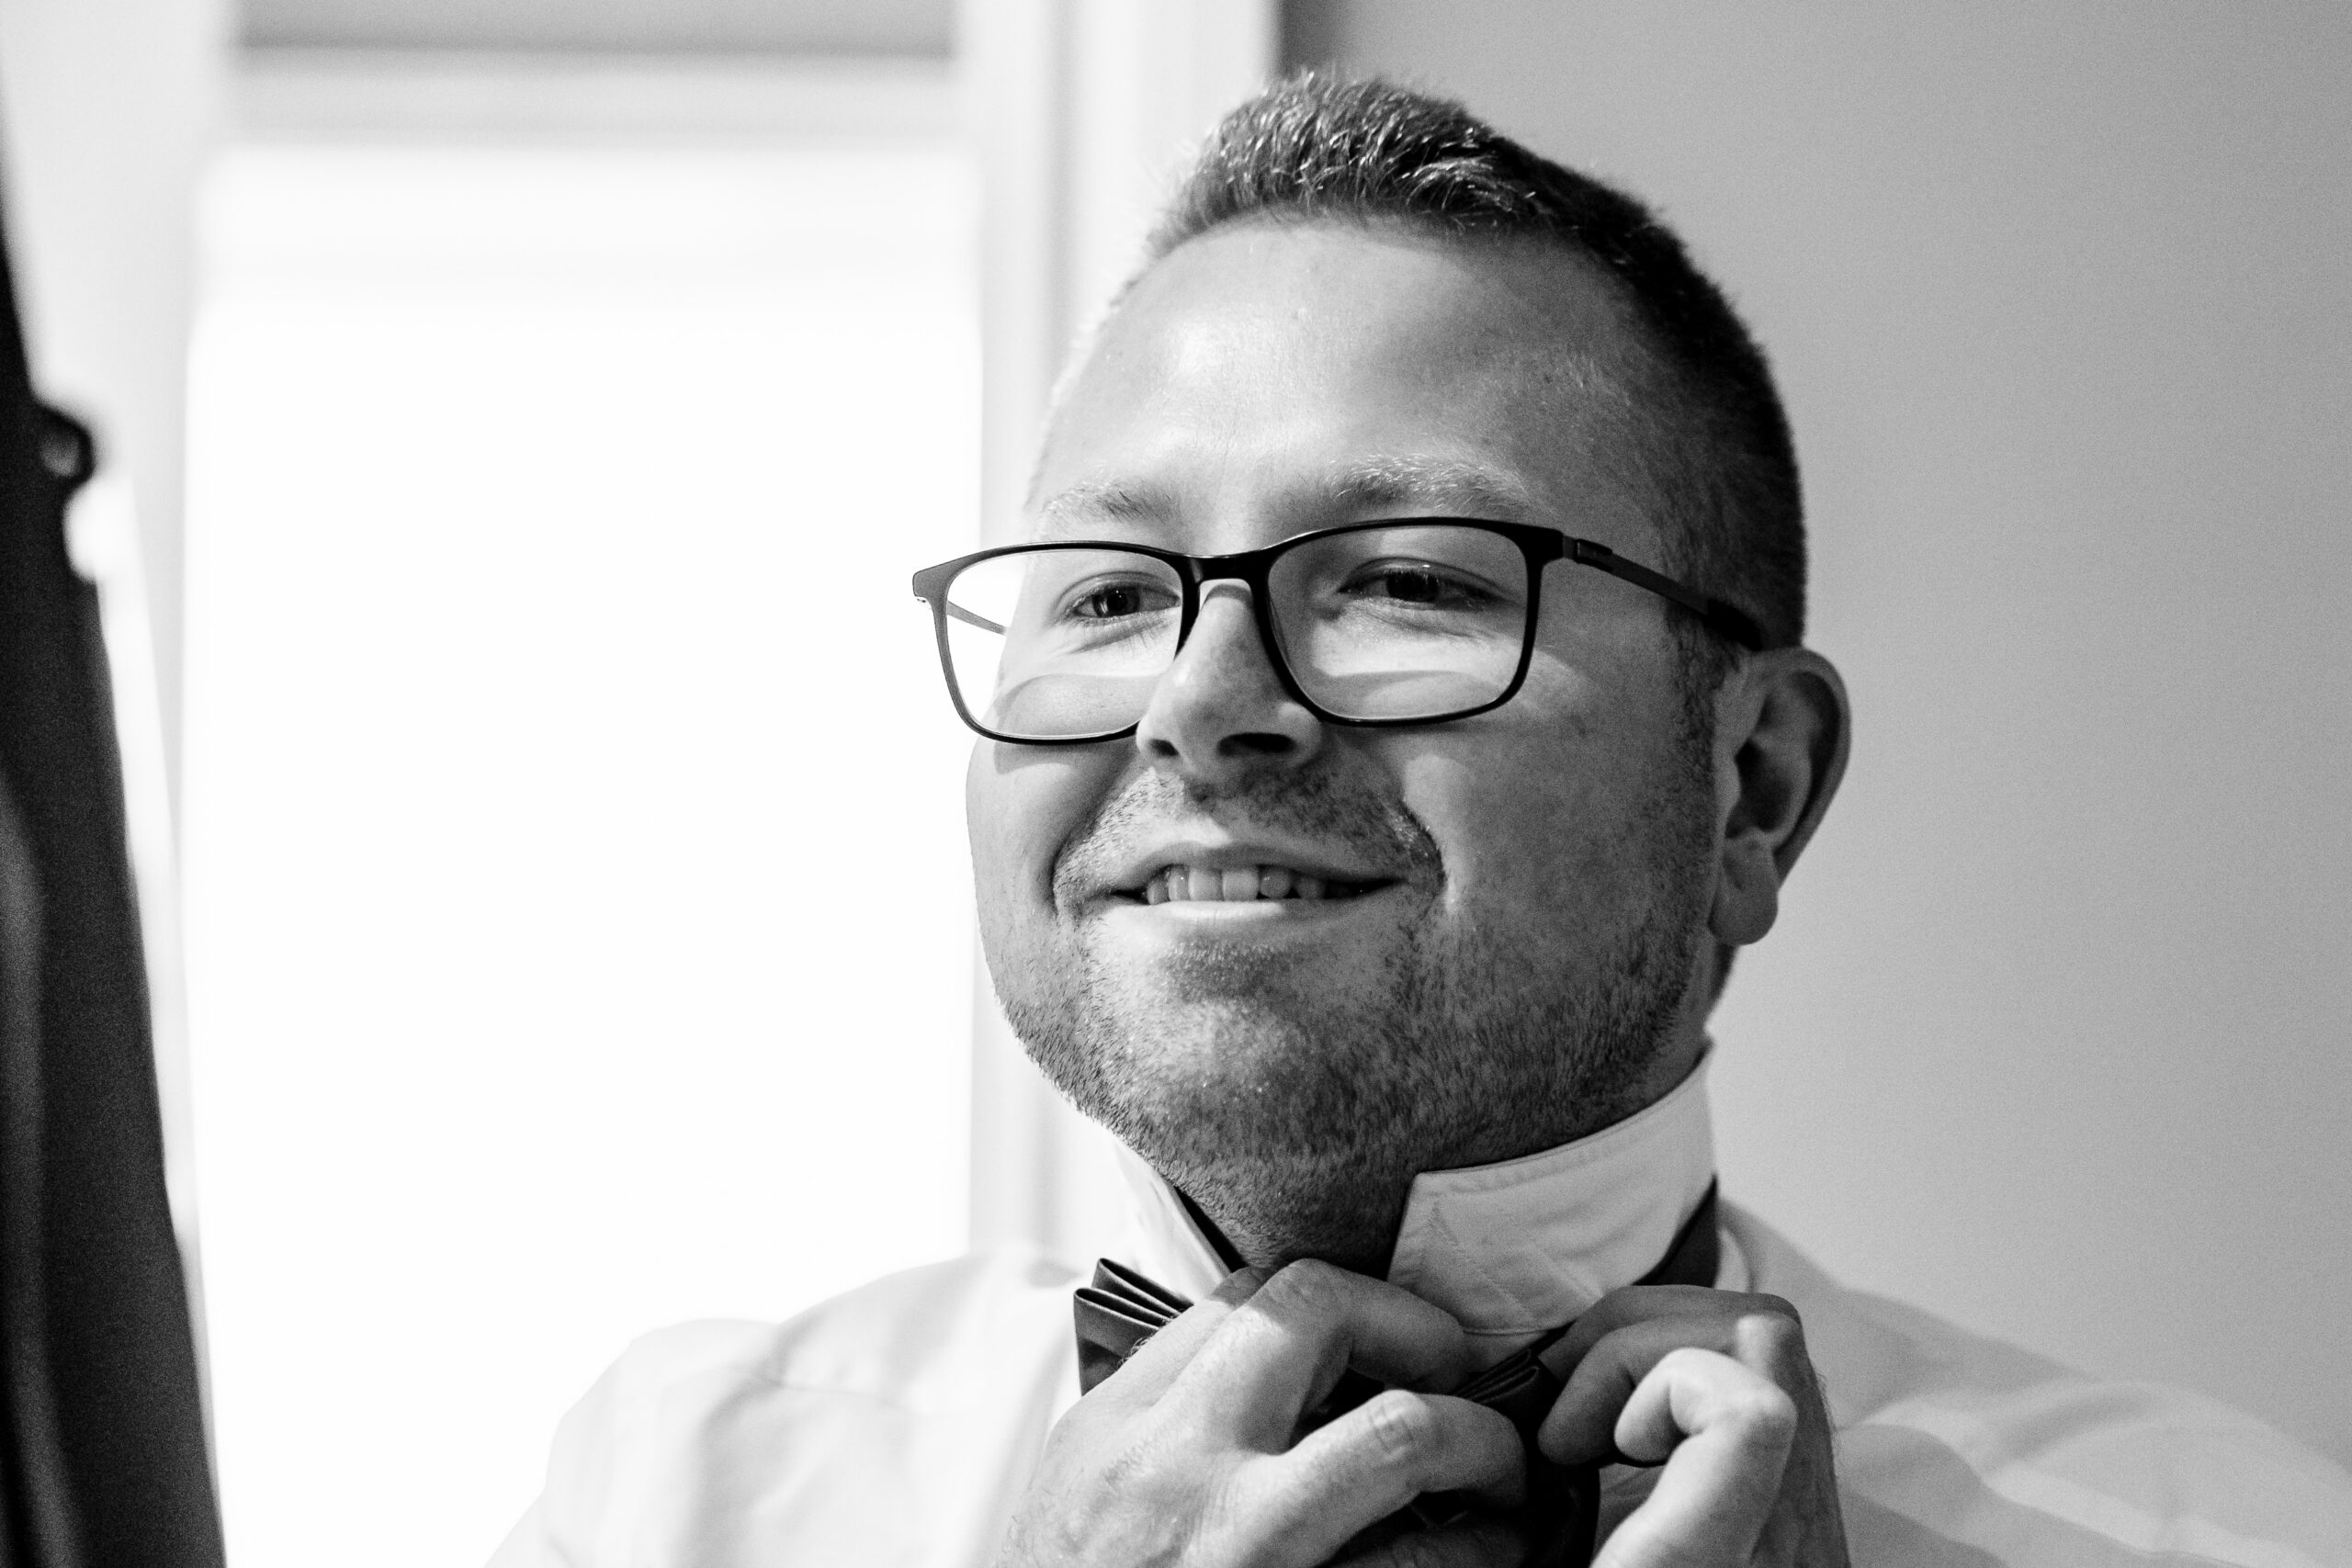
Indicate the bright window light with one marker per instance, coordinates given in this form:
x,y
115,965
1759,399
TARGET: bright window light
x,y
577,906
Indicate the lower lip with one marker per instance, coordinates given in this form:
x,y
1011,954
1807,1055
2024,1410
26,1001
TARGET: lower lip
x,y
1216,913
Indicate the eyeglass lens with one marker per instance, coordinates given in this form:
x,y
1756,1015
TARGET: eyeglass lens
x,y
1417,621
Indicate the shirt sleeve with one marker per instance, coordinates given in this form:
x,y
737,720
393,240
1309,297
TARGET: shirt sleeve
x,y
627,1461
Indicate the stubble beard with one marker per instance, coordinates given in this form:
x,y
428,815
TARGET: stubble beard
x,y
1296,1119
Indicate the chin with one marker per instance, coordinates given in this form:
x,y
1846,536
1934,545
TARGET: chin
x,y
1216,1035
1230,1078
1249,973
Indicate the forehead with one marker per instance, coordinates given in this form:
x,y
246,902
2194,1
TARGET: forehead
x,y
1271,376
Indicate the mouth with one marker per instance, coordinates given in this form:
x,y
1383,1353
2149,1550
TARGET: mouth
x,y
1181,883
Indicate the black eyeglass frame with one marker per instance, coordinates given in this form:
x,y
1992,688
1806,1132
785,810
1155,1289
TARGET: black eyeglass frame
x,y
1539,545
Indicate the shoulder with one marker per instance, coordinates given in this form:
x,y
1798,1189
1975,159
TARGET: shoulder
x,y
1953,1446
850,1433
930,1339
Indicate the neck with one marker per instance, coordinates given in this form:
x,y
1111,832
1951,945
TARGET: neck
x,y
1508,1247
1347,1208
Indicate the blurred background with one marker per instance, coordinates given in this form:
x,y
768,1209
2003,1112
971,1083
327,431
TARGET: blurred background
x,y
521,418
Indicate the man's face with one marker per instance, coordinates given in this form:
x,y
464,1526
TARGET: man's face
x,y
1512,901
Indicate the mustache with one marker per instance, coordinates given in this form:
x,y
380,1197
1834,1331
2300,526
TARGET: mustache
x,y
1319,806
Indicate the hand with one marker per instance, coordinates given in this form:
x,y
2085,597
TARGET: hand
x,y
1190,1454
1717,1385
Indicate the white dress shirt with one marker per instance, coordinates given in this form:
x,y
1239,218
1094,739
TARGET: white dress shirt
x,y
899,1423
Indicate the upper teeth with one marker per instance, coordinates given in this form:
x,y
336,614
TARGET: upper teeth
x,y
1236,883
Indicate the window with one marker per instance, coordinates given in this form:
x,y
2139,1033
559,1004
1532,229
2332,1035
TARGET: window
x,y
578,915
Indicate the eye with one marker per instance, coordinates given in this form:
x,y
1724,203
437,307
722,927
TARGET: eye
x,y
1119,599
1417,583
1111,601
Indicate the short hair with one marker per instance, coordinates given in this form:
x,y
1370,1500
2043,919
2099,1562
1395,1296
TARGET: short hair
x,y
1717,453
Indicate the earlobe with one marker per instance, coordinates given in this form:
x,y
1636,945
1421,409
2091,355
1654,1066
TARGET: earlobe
x,y
1747,892
1783,734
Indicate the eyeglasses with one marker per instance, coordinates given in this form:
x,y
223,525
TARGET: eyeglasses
x,y
1413,620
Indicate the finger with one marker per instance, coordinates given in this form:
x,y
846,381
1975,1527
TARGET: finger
x,y
1724,1431
1473,1543
1748,1329
1279,1352
1580,1428
1358,1469
1637,1303
1146,1375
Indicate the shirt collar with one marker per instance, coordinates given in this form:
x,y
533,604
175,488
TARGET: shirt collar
x,y
1510,1249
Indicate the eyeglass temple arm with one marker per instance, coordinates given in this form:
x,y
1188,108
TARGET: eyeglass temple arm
x,y
957,612
931,587
1729,620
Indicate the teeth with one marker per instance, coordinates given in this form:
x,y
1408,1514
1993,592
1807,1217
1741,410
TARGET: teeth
x,y
1239,885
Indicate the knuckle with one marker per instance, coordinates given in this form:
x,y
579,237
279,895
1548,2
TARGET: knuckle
x,y
1239,1286
1182,1428
1769,1338
1401,1427
1766,1408
1310,1283
1687,1360
1218,1527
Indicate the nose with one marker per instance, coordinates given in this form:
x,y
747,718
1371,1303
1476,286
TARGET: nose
x,y
1220,714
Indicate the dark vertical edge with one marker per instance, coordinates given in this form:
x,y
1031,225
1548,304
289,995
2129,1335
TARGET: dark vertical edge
x,y
30,1449
129,1468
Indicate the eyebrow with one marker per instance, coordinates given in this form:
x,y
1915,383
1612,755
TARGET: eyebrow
x,y
1448,483
1443,484
1098,501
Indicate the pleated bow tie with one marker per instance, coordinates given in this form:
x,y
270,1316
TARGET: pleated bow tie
x,y
1122,1309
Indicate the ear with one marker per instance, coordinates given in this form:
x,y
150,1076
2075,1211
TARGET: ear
x,y
1782,728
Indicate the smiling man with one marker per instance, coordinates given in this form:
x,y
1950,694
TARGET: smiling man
x,y
1394,722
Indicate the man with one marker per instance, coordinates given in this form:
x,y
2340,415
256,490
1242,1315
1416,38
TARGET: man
x,y
1396,721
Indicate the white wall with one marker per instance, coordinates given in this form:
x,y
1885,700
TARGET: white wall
x,y
2052,1037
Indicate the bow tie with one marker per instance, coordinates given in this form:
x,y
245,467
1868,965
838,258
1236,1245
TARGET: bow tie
x,y
1121,1309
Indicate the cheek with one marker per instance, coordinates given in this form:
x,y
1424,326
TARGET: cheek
x,y
1516,834
1542,820
1021,804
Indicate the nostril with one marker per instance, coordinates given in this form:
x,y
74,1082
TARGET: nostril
x,y
1257,743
